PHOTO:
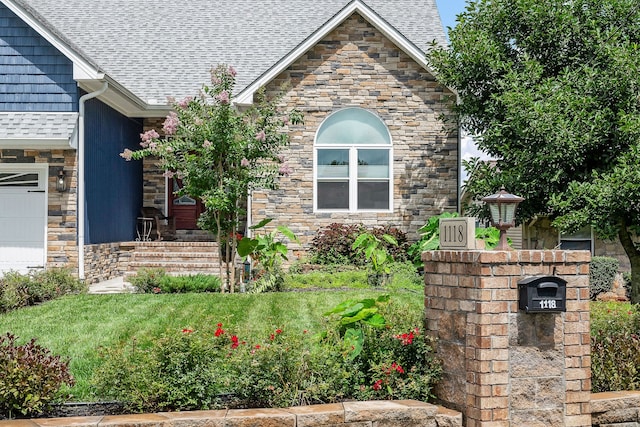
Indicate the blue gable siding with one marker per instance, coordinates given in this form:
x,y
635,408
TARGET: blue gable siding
x,y
113,186
34,75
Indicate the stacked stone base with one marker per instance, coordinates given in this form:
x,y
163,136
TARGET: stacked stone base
x,y
401,413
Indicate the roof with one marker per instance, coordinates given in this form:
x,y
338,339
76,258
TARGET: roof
x,y
155,49
45,130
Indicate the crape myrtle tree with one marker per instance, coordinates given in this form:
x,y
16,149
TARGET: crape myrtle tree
x,y
552,89
220,154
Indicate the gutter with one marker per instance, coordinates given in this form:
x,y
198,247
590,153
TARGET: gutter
x,y
81,187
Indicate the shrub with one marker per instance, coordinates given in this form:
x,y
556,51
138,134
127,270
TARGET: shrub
x,y
191,283
155,280
190,369
147,280
602,272
333,244
21,290
30,377
615,347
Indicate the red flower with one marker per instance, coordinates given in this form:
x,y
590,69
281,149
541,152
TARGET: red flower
x,y
187,331
272,337
257,346
234,342
219,331
377,385
279,331
407,339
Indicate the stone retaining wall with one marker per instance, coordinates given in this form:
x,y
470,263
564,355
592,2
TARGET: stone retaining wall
x,y
400,413
616,409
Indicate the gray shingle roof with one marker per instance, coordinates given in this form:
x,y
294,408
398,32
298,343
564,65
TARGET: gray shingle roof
x,y
165,48
37,125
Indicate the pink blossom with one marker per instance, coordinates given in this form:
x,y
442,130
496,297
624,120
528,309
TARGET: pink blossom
x,y
169,149
148,136
171,123
185,102
153,145
261,136
126,154
244,163
206,143
223,97
280,158
198,121
168,174
285,170
232,71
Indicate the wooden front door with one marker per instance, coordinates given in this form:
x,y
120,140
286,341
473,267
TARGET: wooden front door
x,y
184,209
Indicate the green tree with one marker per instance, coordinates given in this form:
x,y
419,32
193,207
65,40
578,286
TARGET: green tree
x,y
551,89
221,153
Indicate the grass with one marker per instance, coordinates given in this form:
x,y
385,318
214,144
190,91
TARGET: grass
x,y
75,327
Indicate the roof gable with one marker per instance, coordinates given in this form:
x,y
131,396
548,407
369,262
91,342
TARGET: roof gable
x,y
149,50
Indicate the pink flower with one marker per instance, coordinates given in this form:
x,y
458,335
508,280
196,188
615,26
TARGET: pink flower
x,y
171,123
185,102
232,71
206,143
244,163
281,158
261,136
223,97
285,170
168,174
126,154
148,136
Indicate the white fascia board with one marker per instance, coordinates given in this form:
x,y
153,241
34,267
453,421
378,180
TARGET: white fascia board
x,y
124,101
81,67
39,143
246,96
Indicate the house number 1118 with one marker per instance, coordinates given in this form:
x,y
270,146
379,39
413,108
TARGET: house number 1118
x,y
457,233
548,303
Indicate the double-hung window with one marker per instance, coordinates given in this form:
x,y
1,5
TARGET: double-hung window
x,y
353,163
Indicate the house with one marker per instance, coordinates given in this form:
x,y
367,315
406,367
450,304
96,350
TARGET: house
x,y
81,80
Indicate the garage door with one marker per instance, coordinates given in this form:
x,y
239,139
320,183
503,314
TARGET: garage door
x,y
22,218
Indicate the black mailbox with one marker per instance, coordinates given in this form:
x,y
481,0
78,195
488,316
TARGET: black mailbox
x,y
546,294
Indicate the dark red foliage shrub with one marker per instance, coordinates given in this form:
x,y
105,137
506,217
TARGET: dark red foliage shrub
x,y
30,377
332,244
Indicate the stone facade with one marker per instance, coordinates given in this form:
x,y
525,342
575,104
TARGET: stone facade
x,y
503,367
616,409
357,66
104,261
62,249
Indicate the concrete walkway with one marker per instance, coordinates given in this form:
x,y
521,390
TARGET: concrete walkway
x,y
112,286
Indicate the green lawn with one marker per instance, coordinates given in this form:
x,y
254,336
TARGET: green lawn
x,y
77,326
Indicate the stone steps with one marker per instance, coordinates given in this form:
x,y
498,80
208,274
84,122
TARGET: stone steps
x,y
176,258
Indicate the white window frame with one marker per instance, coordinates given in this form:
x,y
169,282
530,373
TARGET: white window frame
x,y
353,171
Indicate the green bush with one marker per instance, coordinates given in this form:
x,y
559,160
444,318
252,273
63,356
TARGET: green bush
x,y
334,244
147,280
196,369
30,377
615,347
21,290
156,280
602,272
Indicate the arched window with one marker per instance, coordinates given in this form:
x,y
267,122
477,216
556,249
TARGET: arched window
x,y
352,163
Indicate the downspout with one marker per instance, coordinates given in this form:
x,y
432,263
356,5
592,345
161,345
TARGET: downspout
x,y
80,184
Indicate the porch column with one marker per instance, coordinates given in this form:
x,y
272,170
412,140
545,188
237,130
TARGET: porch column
x,y
502,366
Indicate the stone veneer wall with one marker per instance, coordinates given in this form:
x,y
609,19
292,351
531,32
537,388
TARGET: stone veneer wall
x,y
503,367
357,66
397,413
106,261
62,250
616,409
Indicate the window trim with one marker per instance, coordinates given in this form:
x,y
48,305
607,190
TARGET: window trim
x,y
352,178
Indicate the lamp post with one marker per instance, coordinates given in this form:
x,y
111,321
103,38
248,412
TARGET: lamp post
x,y
502,206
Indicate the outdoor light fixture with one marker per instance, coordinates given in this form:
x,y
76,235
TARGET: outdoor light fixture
x,y
502,206
61,182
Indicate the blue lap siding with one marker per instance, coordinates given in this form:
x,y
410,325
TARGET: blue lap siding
x,y
34,75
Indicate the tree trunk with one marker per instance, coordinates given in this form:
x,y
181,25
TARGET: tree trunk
x,y
634,259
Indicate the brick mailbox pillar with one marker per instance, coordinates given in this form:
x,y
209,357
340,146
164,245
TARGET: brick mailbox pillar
x,y
502,366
